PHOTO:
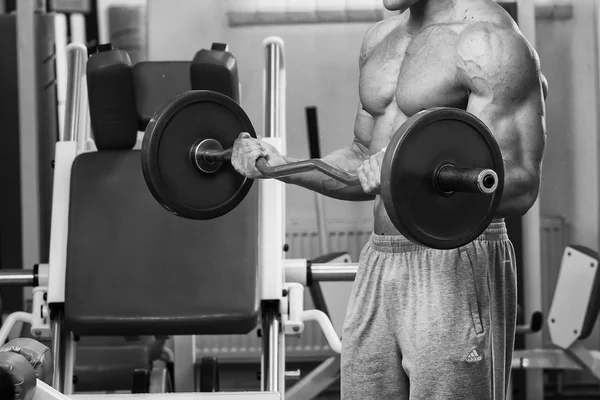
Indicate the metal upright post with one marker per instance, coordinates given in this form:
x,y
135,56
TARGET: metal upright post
x,y
273,63
28,129
57,328
272,226
63,345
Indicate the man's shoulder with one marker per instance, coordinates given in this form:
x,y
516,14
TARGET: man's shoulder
x,y
376,33
496,56
494,44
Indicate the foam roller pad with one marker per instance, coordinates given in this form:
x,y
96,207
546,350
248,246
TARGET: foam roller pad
x,y
216,69
112,102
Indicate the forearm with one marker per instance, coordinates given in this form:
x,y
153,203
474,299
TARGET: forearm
x,y
521,189
348,159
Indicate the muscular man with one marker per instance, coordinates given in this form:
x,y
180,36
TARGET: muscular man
x,y
425,323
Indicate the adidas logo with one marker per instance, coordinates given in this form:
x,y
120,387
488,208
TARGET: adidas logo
x,y
473,357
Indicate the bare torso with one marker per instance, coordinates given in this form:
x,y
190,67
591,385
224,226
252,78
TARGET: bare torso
x,y
405,70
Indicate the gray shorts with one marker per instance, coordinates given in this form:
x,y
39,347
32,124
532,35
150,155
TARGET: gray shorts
x,y
431,324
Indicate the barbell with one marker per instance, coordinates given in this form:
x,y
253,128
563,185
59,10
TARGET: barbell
x,y
442,175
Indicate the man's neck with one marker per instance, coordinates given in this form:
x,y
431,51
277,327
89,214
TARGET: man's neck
x,y
427,12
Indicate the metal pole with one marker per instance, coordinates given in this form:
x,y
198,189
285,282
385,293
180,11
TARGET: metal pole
x,y
321,224
76,56
274,63
271,334
58,351
69,347
60,29
184,348
272,212
333,272
312,126
280,376
17,277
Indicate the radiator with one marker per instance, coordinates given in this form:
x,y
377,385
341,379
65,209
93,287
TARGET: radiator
x,y
303,242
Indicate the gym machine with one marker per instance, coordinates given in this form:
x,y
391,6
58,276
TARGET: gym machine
x,y
573,314
48,280
281,303
33,82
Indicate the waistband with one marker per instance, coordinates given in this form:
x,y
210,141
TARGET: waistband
x,y
496,231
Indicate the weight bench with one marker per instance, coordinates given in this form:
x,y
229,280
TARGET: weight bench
x,y
124,274
572,316
165,276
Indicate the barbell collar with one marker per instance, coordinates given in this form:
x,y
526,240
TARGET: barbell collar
x,y
450,179
208,155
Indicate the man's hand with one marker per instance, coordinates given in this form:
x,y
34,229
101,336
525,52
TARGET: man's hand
x,y
246,150
369,173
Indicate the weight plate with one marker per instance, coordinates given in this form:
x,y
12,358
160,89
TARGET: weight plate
x,y
173,179
416,207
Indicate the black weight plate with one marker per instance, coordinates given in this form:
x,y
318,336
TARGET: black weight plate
x,y
416,207
171,175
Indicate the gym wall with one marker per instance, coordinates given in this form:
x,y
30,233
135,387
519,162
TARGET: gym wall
x,y
570,178
568,53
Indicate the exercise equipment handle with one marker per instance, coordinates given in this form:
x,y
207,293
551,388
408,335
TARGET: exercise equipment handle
x,y
448,177
536,323
17,277
332,272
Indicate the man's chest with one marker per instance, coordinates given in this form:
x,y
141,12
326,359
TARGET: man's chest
x,y
412,72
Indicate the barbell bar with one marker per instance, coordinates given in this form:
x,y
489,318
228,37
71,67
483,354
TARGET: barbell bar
x,y
208,155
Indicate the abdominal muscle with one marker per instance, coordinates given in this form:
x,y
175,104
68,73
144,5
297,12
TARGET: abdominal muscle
x,y
384,128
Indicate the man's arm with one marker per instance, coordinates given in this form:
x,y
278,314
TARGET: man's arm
x,y
507,92
348,159
352,156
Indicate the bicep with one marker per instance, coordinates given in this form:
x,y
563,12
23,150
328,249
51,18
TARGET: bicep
x,y
519,129
507,92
